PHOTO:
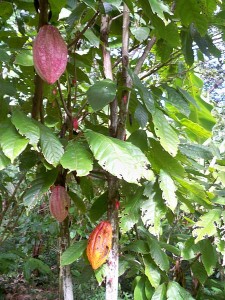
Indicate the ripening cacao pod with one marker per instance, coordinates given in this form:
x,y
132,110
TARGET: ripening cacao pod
x,y
49,54
59,203
99,244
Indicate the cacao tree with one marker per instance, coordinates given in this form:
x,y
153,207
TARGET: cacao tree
x,y
102,104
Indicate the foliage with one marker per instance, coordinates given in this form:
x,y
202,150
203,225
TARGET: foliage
x,y
169,168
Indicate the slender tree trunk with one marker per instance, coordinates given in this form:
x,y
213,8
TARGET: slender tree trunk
x,y
65,278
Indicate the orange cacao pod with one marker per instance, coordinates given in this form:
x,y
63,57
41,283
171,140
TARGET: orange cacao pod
x,y
49,54
59,203
99,244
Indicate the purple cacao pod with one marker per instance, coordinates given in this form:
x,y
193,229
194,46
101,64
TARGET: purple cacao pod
x,y
49,54
59,203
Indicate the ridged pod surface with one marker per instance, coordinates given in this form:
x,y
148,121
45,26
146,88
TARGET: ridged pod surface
x,y
49,54
59,203
99,244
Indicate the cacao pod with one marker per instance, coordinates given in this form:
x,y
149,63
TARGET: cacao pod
x,y
59,203
49,54
99,244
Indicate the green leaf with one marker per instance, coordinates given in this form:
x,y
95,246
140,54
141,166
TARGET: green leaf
x,y
189,249
141,115
77,201
160,159
76,13
187,49
160,293
139,290
206,226
4,160
139,139
99,207
6,10
73,252
199,272
77,158
140,33
138,246
159,256
195,128
196,151
92,38
175,291
177,100
24,58
209,256
167,136
35,264
130,215
101,93
7,87
152,272
26,127
159,8
120,158
51,147
168,190
39,187
11,142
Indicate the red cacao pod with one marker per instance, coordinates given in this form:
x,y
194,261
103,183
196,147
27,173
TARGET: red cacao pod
x,y
99,244
49,54
59,203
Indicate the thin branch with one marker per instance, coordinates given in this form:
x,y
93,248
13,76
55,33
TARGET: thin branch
x,y
161,65
141,60
63,102
107,66
120,58
126,81
80,34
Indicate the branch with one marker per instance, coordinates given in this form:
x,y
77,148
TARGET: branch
x,y
126,81
141,60
80,34
107,66
63,102
161,65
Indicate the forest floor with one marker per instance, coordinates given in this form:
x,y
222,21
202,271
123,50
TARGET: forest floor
x,y
19,289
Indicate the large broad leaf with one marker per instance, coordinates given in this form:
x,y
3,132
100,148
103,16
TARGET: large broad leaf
x,y
140,33
209,256
196,151
160,159
11,141
121,159
130,215
186,41
39,186
160,293
152,272
168,190
99,207
24,58
77,158
26,127
196,129
79,203
6,10
101,93
199,271
51,147
159,8
73,252
4,160
139,290
175,291
7,88
159,257
206,226
166,134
